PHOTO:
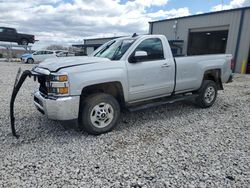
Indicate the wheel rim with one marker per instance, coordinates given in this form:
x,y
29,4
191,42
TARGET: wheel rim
x,y
102,115
24,42
30,61
209,94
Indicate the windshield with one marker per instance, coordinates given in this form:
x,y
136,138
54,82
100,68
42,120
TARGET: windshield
x,y
114,49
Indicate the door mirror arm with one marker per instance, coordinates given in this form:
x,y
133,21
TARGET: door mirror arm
x,y
132,59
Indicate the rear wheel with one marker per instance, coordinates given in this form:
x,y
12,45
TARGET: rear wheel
x,y
99,113
207,94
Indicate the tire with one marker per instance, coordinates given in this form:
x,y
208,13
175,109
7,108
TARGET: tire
x,y
24,42
207,94
99,113
30,61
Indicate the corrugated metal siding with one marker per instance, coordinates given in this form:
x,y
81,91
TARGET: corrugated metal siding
x,y
184,25
230,19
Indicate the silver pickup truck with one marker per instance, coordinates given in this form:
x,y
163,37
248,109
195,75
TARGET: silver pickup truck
x,y
126,73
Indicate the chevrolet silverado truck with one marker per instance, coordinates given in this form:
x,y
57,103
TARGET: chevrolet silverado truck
x,y
10,35
126,73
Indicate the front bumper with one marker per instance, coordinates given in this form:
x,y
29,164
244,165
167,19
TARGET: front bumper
x,y
23,60
61,108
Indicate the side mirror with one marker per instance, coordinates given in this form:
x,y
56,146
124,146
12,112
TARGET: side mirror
x,y
138,56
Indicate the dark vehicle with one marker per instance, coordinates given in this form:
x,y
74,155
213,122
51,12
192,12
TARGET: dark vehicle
x,y
11,35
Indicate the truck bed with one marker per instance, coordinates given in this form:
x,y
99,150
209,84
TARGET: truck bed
x,y
190,69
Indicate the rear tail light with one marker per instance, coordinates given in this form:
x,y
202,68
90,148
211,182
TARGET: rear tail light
x,y
232,64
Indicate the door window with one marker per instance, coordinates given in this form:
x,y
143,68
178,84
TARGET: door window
x,y
10,30
153,47
38,53
48,52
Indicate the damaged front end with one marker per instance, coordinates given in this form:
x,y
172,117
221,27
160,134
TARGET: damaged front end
x,y
51,99
20,78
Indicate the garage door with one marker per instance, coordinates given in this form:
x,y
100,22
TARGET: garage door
x,y
248,63
207,42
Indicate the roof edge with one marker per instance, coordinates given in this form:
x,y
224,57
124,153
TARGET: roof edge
x,y
99,38
204,14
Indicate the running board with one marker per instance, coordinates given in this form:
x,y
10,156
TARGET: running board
x,y
169,100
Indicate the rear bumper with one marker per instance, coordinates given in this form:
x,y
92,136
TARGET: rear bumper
x,y
62,108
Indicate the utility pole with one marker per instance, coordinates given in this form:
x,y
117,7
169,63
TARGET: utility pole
x,y
222,4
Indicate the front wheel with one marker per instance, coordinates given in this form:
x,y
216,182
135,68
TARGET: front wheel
x,y
30,60
207,94
99,113
24,42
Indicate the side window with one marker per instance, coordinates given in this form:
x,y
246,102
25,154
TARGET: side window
x,y
10,30
1,30
38,53
153,47
48,52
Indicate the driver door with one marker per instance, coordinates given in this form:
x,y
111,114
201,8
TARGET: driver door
x,y
151,75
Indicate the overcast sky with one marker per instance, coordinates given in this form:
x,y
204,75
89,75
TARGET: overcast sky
x,y
69,21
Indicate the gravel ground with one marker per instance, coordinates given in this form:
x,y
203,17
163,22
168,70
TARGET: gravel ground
x,y
178,145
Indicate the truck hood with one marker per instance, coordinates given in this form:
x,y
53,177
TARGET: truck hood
x,y
27,55
54,64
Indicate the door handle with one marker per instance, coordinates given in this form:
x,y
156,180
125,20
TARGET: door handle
x,y
165,65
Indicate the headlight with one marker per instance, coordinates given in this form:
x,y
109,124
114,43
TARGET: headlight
x,y
58,78
57,84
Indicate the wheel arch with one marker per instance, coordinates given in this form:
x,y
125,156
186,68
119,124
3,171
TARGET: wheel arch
x,y
113,88
23,38
214,75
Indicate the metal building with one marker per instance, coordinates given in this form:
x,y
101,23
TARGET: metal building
x,y
89,45
225,31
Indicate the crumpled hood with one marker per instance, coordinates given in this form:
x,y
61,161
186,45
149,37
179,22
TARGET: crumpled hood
x,y
54,64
